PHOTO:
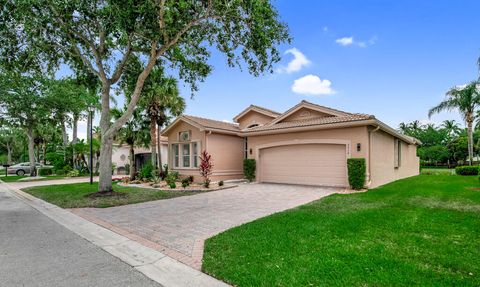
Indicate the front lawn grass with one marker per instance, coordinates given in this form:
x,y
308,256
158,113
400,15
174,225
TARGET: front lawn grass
x,y
76,195
422,231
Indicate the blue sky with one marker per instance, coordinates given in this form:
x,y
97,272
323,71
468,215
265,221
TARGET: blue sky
x,y
393,59
404,56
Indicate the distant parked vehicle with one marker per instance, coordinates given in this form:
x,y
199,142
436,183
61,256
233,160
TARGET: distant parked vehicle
x,y
23,168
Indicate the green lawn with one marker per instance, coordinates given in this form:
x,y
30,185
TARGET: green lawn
x,y
422,231
76,195
437,171
12,178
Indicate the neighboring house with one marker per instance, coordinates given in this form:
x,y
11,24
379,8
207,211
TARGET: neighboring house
x,y
120,155
308,144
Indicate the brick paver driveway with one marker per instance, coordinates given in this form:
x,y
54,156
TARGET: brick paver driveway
x,y
179,226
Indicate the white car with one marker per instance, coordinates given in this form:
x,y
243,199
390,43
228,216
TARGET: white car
x,y
24,168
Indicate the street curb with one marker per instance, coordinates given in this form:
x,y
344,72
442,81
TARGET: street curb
x,y
152,263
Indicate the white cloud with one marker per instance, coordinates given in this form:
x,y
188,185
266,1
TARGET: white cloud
x,y
325,29
298,62
345,41
312,85
348,41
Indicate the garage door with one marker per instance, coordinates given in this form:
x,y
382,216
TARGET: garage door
x,y
311,164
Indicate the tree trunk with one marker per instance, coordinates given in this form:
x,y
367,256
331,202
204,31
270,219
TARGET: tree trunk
x,y
64,138
132,162
74,139
31,150
153,144
105,166
159,149
9,154
470,142
44,153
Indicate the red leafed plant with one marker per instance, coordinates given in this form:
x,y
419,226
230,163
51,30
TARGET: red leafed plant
x,y
206,167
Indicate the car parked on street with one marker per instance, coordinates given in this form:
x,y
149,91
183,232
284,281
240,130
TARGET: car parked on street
x,y
24,168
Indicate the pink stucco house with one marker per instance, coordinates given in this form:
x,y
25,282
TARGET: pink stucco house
x,y
307,144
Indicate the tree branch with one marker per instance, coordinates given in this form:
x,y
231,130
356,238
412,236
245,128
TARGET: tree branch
x,y
136,93
118,72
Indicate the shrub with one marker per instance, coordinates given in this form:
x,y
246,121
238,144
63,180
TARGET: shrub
x,y
172,177
185,182
172,185
67,169
56,159
127,168
356,172
45,171
467,170
220,183
249,166
73,173
206,167
146,171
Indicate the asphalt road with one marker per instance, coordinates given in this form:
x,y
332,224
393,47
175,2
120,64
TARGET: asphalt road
x,y
36,251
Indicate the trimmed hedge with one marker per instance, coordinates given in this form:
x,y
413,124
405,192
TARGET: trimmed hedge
x,y
249,166
357,172
45,171
467,170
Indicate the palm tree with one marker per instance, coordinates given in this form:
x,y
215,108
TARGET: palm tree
x,y
161,99
465,100
134,133
451,126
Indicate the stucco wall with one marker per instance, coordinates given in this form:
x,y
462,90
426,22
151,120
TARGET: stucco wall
x,y
120,154
253,117
195,135
354,135
382,159
227,153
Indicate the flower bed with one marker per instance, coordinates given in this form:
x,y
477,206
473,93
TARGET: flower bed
x,y
164,186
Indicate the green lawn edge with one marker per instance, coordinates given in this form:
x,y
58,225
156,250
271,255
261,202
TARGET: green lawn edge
x,y
422,231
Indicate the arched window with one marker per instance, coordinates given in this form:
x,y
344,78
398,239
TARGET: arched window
x,y
252,126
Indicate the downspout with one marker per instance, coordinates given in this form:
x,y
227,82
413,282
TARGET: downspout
x,y
370,155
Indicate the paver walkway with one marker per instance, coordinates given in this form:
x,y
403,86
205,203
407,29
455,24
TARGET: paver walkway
x,y
178,227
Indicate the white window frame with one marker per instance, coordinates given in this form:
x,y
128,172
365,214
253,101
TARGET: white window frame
x,y
192,154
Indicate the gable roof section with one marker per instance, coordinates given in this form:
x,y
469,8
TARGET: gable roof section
x,y
340,119
258,109
204,124
312,106
312,122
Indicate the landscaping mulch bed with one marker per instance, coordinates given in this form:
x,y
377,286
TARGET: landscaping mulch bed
x,y
191,188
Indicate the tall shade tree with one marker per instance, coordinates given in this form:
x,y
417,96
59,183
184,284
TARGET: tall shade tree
x,y
135,132
23,104
464,100
105,34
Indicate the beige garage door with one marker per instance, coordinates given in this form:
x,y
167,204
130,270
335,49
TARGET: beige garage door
x,y
312,164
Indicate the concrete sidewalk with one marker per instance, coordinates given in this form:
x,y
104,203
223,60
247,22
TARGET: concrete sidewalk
x,y
24,184
155,265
